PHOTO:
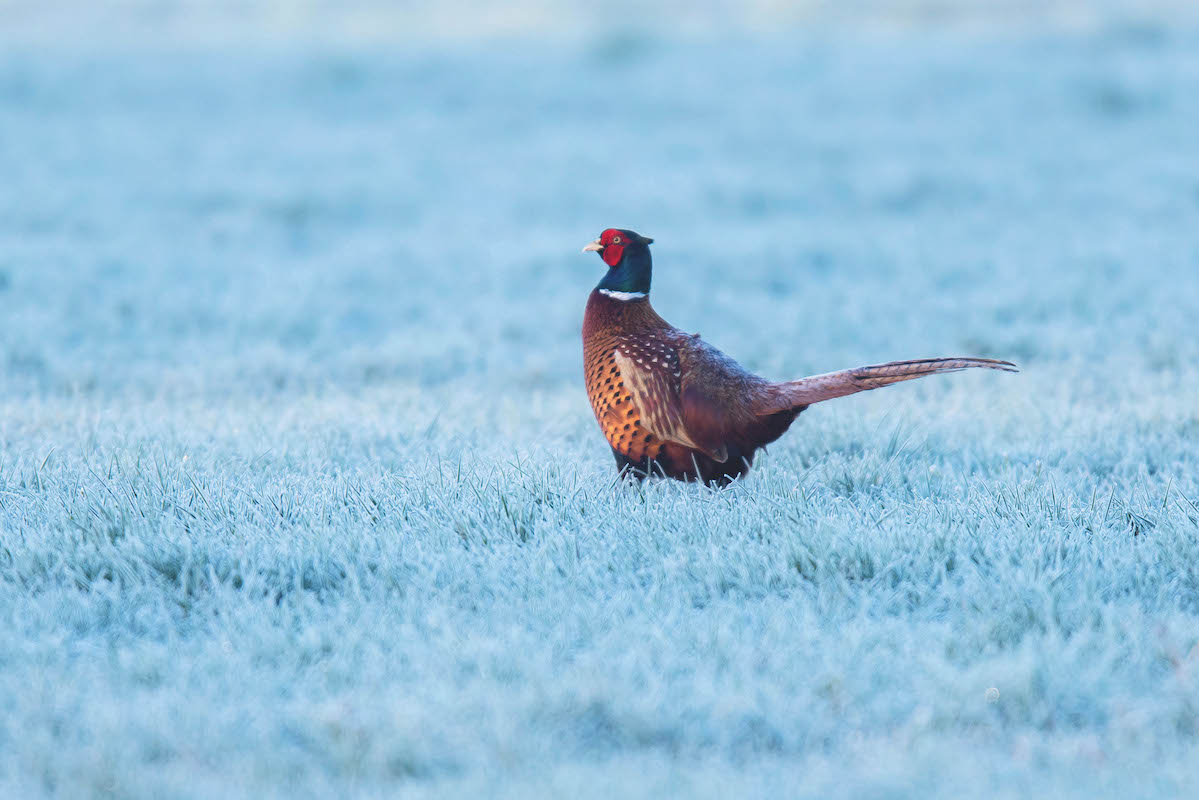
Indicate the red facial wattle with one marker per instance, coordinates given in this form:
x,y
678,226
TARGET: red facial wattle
x,y
613,241
612,254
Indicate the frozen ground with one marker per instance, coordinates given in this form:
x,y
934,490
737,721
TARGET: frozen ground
x,y
300,494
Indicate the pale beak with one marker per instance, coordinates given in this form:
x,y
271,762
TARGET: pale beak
x,y
593,247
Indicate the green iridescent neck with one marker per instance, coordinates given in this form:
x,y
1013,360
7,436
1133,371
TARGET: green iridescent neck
x,y
632,274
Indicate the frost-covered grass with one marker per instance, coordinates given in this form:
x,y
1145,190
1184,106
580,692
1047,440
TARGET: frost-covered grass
x,y
300,494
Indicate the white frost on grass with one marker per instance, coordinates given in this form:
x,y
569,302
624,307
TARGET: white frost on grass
x,y
300,494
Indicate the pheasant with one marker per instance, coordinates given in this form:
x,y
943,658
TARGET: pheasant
x,y
671,404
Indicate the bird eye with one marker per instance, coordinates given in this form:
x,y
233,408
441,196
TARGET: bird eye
x,y
615,240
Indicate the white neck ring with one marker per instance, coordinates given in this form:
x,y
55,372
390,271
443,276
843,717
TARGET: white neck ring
x,y
623,297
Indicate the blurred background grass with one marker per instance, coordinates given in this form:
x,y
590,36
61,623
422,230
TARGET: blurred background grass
x,y
362,21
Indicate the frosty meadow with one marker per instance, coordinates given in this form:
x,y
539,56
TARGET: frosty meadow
x,y
301,496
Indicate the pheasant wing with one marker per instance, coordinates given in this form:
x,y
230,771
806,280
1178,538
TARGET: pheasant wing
x,y
654,383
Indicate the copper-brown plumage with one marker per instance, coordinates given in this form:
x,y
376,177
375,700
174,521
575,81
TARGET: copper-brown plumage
x,y
669,403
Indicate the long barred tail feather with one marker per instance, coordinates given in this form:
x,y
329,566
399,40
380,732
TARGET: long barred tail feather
x,y
805,391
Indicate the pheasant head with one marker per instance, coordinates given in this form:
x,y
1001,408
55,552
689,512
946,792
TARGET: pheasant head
x,y
630,266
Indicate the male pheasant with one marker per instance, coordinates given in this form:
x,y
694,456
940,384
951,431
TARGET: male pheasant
x,y
671,404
